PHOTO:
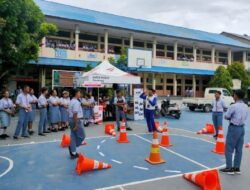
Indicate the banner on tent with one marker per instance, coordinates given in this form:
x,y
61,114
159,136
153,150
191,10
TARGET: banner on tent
x,y
98,112
138,104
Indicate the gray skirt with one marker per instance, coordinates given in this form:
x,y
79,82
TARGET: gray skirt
x,y
4,119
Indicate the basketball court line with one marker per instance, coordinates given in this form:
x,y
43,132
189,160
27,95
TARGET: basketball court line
x,y
11,164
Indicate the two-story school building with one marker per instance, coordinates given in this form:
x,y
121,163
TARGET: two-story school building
x,y
182,58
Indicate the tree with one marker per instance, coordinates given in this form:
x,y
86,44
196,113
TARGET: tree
x,y
123,57
237,71
222,79
22,26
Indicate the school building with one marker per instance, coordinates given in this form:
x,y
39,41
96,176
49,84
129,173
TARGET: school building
x,y
181,58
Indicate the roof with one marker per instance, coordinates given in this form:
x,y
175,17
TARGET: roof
x,y
174,70
244,36
95,17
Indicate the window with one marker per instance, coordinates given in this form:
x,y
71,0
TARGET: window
x,y
188,50
212,91
160,53
170,81
226,93
115,41
197,82
126,42
197,88
170,48
160,46
159,87
149,45
139,44
188,82
88,37
178,81
180,49
63,34
170,88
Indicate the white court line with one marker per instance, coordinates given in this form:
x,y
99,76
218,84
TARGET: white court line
x,y
141,168
11,164
172,171
175,153
98,147
103,141
101,154
121,188
116,161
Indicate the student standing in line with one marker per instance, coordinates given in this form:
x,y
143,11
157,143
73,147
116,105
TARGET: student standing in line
x,y
54,111
218,109
7,109
77,135
237,116
151,102
32,114
64,108
42,105
23,101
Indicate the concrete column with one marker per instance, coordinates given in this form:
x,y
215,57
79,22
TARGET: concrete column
x,y
42,77
194,86
164,83
213,55
229,54
131,41
154,49
175,50
106,46
201,55
182,84
144,81
175,85
153,81
195,53
43,46
145,44
77,32
245,59
99,42
71,37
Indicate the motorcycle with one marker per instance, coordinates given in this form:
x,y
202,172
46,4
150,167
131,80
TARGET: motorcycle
x,y
168,109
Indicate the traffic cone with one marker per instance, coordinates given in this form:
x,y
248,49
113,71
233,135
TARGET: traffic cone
x,y
207,180
110,129
209,129
165,138
247,145
86,164
123,134
155,156
158,127
220,143
65,141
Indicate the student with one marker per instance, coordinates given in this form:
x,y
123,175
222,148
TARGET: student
x,y
23,101
120,110
7,109
77,135
32,114
42,105
54,111
91,100
151,102
218,109
64,109
237,115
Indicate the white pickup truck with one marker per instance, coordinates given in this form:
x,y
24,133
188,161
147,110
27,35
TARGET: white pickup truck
x,y
206,103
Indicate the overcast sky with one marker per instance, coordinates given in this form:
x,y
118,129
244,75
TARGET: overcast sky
x,y
208,15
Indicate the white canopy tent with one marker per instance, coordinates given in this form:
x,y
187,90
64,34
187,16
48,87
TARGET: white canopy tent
x,y
106,73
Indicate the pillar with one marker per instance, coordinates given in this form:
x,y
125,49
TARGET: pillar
x,y
154,49
145,44
144,81
175,50
131,41
77,32
213,55
99,43
71,37
153,81
183,84
195,53
245,59
106,44
175,85
164,83
42,77
229,54
43,46
194,86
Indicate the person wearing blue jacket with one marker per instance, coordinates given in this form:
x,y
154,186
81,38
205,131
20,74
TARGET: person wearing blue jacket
x,y
150,103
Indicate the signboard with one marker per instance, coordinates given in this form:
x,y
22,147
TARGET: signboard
x,y
236,84
138,104
139,58
61,53
98,112
61,78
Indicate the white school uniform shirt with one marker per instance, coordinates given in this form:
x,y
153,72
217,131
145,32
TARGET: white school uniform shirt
x,y
6,103
42,101
65,101
24,100
218,105
75,107
53,99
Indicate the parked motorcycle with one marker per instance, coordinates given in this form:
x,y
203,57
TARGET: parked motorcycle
x,y
168,109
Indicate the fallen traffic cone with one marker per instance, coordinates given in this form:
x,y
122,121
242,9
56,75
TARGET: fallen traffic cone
x,y
165,138
247,145
155,156
123,134
65,141
220,143
158,126
110,129
207,180
86,164
209,129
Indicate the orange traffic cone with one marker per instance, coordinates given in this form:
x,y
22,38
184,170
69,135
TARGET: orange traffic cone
x,y
207,180
65,141
86,164
110,129
209,129
165,138
220,143
123,134
155,156
247,145
158,127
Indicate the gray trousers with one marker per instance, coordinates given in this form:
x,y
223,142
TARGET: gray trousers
x,y
234,143
43,120
76,137
217,120
22,122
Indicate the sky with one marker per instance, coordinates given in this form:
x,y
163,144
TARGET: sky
x,y
207,15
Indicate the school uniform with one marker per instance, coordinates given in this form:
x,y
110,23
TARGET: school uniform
x,y
151,102
237,115
54,111
217,115
33,103
79,135
64,111
5,104
42,105
23,100
119,112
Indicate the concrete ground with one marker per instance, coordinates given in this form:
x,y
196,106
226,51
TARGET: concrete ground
x,y
189,123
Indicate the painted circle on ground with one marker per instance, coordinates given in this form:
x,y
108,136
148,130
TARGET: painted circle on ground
x,y
11,164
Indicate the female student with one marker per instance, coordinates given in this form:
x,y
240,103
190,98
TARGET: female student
x,y
32,114
54,111
64,109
